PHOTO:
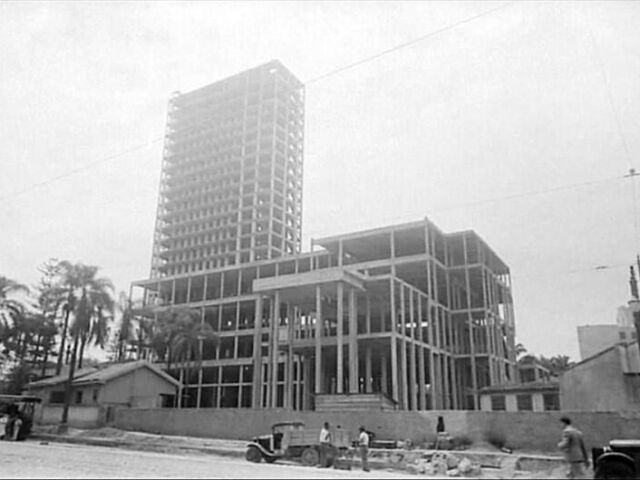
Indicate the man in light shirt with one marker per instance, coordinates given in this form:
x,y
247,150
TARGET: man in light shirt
x,y
363,446
325,445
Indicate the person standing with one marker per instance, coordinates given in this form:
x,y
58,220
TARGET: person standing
x,y
363,446
325,445
572,446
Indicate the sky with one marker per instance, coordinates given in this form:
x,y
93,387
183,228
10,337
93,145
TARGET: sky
x,y
518,120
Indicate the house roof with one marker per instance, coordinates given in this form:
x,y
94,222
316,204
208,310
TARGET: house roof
x,y
101,375
521,387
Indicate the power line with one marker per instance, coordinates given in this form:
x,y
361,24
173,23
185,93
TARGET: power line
x,y
607,87
87,166
406,44
313,80
529,193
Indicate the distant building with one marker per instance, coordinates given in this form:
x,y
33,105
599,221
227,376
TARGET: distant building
x,y
540,396
607,381
530,370
592,339
96,390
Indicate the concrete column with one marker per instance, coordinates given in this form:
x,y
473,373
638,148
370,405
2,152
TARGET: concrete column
x,y
257,354
403,350
173,292
383,374
269,360
368,315
189,289
354,369
318,344
422,404
298,380
412,355
276,356
292,313
340,320
368,370
306,394
395,393
474,372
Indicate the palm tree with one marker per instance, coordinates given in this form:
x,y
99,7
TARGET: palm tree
x,y
187,342
91,310
10,308
520,349
176,337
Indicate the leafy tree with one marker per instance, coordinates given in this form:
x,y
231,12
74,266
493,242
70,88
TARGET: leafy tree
x,y
16,379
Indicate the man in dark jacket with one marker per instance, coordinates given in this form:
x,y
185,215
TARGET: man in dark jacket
x,y
572,446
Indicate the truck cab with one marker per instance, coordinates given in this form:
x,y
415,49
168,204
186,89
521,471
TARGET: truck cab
x,y
620,459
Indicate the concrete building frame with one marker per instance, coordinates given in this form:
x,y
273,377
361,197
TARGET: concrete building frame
x,y
407,311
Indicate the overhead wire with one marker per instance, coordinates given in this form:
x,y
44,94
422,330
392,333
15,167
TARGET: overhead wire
x,y
310,81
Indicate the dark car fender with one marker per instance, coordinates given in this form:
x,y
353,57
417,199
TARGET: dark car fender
x,y
263,450
619,457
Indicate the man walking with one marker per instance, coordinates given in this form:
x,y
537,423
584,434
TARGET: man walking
x,y
363,446
325,445
572,446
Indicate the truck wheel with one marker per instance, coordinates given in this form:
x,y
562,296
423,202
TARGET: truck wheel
x,y
614,470
253,455
310,457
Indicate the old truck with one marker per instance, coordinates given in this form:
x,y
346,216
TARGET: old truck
x,y
14,407
620,459
291,440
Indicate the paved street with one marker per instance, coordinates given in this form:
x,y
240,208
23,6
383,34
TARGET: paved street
x,y
59,460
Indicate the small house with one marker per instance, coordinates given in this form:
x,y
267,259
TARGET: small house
x,y
521,397
98,391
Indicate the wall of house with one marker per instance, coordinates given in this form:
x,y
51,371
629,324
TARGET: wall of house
x,y
139,388
534,431
582,387
80,416
511,401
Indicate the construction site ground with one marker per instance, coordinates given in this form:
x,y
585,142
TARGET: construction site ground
x,y
488,461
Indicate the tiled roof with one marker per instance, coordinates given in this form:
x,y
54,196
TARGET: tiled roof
x,y
102,374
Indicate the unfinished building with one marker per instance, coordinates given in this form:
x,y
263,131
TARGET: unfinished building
x,y
421,317
231,181
417,316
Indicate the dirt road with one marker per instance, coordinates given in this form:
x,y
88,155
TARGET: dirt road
x,y
57,460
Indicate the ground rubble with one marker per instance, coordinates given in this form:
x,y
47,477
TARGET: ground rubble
x,y
439,463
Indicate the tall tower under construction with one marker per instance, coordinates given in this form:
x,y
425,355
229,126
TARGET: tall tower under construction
x,y
231,181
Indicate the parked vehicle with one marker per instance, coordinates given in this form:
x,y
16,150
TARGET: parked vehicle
x,y
18,407
620,459
292,440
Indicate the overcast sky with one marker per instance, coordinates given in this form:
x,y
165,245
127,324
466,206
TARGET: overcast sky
x,y
478,127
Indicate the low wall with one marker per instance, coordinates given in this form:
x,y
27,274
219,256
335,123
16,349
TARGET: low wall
x,y
79,416
538,431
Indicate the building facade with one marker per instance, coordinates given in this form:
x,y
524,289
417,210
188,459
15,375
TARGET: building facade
x,y
231,180
408,311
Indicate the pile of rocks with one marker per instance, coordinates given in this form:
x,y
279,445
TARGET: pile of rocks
x,y
442,463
